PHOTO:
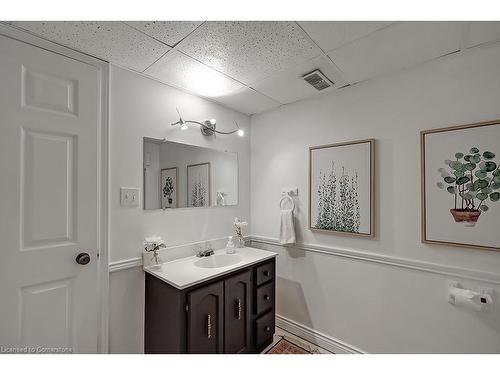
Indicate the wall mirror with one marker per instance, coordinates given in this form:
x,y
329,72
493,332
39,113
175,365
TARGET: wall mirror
x,y
178,175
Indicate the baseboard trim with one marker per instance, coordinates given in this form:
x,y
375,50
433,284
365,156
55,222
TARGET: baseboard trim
x,y
306,333
125,264
435,268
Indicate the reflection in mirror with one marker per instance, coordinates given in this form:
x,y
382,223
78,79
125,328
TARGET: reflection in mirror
x,y
179,175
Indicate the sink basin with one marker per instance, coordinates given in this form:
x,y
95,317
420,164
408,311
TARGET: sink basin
x,y
217,261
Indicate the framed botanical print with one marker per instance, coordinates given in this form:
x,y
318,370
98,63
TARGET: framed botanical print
x,y
342,187
198,185
460,169
168,187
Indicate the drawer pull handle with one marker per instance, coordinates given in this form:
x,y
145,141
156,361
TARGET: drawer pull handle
x,y
209,326
266,273
267,329
266,297
239,308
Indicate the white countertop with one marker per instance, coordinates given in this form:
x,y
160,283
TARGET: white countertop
x,y
183,273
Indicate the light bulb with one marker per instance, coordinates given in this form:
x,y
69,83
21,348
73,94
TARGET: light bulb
x,y
184,126
212,121
240,132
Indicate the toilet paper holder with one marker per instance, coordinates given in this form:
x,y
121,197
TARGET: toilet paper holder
x,y
482,298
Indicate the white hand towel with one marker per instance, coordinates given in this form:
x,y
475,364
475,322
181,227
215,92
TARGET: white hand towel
x,y
287,229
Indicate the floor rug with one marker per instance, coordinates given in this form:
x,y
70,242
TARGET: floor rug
x,y
286,347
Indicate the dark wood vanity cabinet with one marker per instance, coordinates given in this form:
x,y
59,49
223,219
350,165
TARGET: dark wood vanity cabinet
x,y
231,314
205,315
237,302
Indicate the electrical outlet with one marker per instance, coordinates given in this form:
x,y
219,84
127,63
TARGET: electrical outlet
x,y
129,197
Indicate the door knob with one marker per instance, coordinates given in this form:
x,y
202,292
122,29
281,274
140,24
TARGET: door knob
x,y
83,258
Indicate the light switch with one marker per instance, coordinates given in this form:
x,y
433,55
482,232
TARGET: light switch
x,y
129,197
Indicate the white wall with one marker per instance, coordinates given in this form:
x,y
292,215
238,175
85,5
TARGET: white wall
x,y
142,107
373,306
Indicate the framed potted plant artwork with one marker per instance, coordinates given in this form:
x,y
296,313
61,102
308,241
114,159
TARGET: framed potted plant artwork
x,y
168,188
460,168
198,185
342,188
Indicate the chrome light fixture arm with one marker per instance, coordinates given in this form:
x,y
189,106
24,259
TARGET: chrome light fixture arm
x,y
208,127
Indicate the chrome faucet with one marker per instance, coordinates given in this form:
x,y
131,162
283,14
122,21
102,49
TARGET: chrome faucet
x,y
205,252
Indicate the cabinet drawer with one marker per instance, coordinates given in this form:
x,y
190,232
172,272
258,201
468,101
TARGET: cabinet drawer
x,y
264,273
264,329
264,298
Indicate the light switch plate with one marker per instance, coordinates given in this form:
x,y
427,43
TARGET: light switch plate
x,y
129,197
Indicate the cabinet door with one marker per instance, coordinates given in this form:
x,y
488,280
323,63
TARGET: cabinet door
x,y
237,313
205,319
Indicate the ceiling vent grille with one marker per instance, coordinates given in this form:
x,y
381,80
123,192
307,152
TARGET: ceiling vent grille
x,y
317,80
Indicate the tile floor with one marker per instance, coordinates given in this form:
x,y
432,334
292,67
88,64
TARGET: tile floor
x,y
280,333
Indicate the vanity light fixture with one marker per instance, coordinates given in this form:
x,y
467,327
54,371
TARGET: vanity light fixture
x,y
207,127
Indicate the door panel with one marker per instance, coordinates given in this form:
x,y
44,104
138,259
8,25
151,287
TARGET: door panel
x,y
237,291
49,211
205,319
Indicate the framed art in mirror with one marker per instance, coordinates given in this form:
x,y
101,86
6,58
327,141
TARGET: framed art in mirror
x,y
198,185
168,187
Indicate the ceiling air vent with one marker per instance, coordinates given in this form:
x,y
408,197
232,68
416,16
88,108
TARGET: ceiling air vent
x,y
317,80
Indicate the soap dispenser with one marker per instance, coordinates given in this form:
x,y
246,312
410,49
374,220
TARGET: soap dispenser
x,y
230,248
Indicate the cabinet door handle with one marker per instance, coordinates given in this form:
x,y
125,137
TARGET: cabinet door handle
x,y
209,326
238,305
266,297
266,273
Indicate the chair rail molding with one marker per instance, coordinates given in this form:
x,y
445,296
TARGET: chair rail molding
x,y
435,268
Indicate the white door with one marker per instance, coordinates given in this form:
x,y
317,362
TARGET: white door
x,y
49,117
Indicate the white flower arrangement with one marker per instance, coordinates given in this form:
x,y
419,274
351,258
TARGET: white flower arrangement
x,y
238,224
153,244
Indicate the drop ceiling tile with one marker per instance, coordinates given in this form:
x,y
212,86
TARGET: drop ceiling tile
x,y
248,101
169,32
182,71
248,51
395,47
288,86
111,41
333,34
482,32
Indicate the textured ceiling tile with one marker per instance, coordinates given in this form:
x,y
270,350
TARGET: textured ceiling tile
x,y
288,86
169,32
111,41
483,32
179,70
248,51
248,101
395,47
333,34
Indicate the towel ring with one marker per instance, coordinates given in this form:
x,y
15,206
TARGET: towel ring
x,y
289,198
